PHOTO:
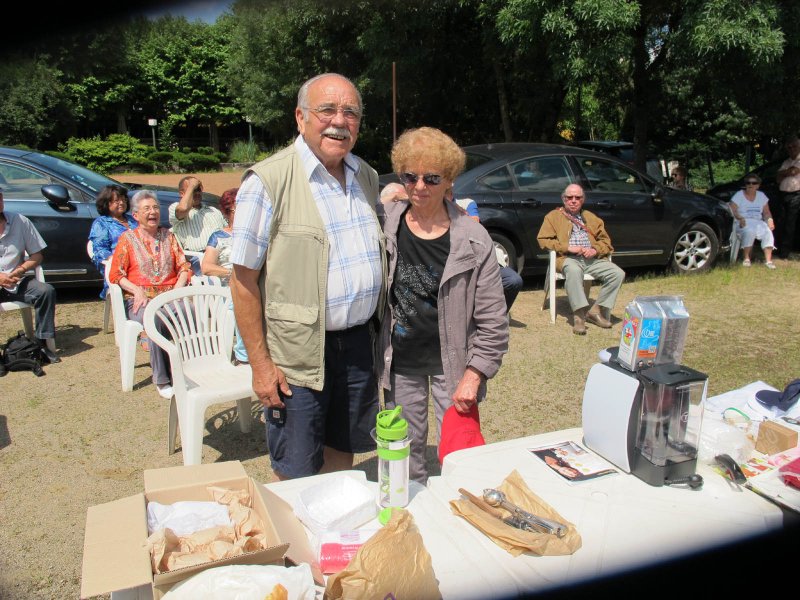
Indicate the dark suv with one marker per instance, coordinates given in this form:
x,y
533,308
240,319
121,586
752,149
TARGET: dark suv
x,y
58,197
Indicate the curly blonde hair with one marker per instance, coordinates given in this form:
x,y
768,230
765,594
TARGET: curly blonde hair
x,y
430,146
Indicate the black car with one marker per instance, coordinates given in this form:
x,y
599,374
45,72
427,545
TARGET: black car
x,y
624,151
515,185
59,198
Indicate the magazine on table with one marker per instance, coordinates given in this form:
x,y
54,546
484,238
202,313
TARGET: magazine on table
x,y
572,462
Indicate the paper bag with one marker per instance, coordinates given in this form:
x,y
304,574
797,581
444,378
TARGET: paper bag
x,y
393,563
517,541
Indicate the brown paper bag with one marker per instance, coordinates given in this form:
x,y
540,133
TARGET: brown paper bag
x,y
517,541
393,563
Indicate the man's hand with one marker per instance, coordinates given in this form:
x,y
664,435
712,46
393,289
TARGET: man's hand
x,y
268,379
589,252
466,393
9,280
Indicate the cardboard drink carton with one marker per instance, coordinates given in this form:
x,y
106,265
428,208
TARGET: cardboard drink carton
x,y
115,553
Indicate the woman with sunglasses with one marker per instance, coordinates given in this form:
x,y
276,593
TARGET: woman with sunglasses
x,y
445,329
750,208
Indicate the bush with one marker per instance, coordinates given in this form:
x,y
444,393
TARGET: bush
x,y
243,152
61,155
106,155
186,150
202,162
140,165
205,150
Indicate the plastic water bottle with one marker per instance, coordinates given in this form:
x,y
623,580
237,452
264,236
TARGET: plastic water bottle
x,y
394,446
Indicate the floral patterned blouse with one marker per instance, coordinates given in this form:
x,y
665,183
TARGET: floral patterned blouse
x,y
155,271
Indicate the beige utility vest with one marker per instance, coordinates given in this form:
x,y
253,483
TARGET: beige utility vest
x,y
294,294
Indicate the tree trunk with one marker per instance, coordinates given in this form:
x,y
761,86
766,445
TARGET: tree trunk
x,y
502,99
122,124
213,133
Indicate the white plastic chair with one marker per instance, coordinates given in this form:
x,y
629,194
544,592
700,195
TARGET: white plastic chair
x,y
126,334
200,326
205,280
26,311
107,306
550,285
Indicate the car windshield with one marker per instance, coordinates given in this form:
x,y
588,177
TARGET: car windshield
x,y
81,176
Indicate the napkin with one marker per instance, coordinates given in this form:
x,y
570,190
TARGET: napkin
x,y
516,541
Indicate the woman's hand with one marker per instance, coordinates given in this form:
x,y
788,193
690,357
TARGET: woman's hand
x,y
139,299
466,393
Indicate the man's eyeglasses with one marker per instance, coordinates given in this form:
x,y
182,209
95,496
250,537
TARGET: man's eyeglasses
x,y
428,178
573,197
327,113
751,183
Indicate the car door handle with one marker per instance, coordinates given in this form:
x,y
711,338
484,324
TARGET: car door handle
x,y
604,204
531,202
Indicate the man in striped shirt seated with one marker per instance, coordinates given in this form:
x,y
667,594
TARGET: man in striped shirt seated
x,y
192,223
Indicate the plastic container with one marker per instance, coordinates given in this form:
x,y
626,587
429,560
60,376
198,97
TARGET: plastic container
x,y
394,447
338,504
653,332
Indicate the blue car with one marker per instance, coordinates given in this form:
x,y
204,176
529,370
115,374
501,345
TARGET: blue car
x,y
58,197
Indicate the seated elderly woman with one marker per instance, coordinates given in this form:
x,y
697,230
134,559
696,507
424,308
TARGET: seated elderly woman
x,y
114,220
445,329
148,261
750,208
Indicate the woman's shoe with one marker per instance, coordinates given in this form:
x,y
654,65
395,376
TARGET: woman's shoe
x,y
165,391
770,264
746,262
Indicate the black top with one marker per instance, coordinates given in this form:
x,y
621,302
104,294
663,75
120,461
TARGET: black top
x,y
414,295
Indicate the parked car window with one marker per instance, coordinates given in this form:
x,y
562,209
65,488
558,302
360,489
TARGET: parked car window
x,y
21,182
546,174
605,176
499,179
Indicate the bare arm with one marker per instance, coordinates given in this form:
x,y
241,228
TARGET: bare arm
x,y
248,308
185,203
210,264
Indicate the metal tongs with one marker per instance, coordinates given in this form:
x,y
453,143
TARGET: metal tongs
x,y
497,498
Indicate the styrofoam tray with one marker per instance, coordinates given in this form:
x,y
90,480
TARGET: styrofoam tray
x,y
340,503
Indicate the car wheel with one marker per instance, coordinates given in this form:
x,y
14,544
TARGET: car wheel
x,y
505,250
695,250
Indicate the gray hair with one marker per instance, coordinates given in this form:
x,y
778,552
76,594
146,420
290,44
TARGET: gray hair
x,y
302,95
141,195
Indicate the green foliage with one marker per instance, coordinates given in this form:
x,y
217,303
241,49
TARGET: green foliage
x,y
140,165
202,162
106,155
205,150
31,101
243,152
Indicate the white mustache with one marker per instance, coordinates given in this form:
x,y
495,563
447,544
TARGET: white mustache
x,y
337,131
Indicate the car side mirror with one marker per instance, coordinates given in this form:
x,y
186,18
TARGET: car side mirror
x,y
57,197
657,194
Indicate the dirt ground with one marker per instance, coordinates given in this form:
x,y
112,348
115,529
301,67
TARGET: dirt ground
x,y
72,438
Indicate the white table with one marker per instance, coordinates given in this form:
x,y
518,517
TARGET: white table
x,y
624,523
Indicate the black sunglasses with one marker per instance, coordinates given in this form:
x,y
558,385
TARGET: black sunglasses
x,y
427,178
751,182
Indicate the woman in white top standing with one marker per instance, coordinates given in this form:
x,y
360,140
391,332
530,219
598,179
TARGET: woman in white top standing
x,y
750,209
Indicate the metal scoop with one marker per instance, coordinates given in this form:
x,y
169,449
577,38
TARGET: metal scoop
x,y
497,498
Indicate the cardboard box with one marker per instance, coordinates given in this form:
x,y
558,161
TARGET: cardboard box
x,y
115,554
774,437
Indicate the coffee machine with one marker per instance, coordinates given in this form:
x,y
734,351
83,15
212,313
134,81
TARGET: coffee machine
x,y
646,420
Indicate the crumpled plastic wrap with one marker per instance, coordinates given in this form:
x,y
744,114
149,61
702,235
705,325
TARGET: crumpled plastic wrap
x,y
516,541
247,582
169,551
393,563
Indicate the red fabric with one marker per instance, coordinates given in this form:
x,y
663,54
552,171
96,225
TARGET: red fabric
x,y
459,431
790,473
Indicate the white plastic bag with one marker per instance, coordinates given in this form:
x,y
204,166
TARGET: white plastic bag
x,y
718,437
245,582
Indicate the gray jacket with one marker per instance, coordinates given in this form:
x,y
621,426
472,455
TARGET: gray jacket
x,y
473,328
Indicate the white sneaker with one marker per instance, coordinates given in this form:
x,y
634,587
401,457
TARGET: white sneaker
x,y
746,262
770,265
165,391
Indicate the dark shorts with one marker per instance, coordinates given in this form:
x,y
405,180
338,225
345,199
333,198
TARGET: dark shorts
x,y
340,416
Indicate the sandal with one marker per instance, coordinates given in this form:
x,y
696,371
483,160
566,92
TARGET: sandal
x,y
746,262
770,264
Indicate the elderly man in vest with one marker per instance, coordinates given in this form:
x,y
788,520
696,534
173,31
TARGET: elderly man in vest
x,y
308,276
582,246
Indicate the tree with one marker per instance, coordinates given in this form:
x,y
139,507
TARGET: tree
x,y
181,63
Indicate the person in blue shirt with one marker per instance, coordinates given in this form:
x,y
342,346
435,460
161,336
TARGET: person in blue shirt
x,y
114,220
